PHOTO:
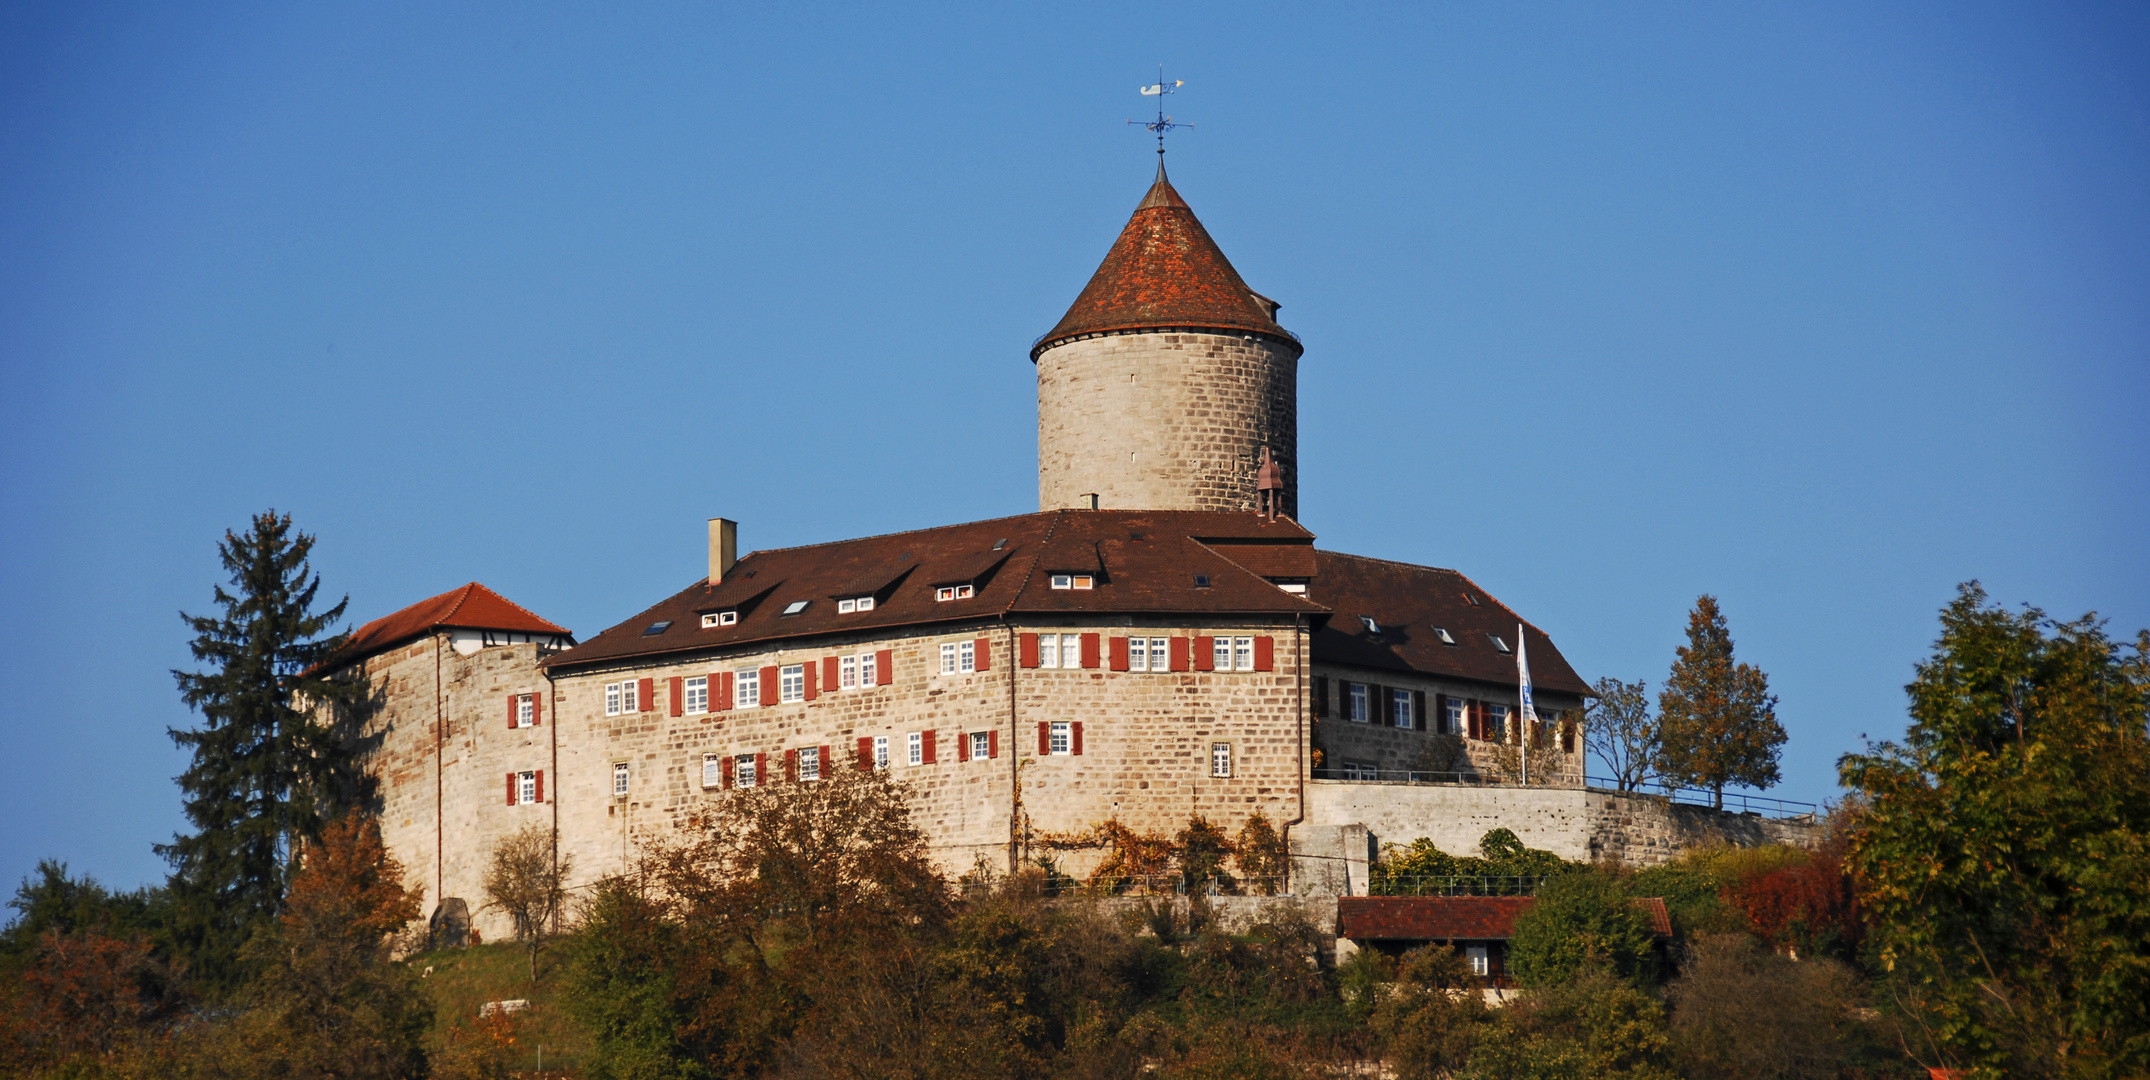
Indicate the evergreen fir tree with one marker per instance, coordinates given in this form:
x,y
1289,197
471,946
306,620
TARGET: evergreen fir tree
x,y
1717,720
276,756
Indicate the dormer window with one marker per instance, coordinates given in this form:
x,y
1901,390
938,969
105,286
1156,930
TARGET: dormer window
x,y
954,592
852,604
1497,642
1074,581
796,606
1446,637
720,618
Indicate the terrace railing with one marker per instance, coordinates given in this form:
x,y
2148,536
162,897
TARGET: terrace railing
x,y
1737,802
1454,885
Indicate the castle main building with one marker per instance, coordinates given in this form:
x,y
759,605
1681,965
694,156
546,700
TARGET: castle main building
x,y
1162,638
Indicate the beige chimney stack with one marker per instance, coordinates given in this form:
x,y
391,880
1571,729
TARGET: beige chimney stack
x,y
723,548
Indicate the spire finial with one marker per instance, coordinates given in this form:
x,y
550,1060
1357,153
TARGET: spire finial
x,y
1163,123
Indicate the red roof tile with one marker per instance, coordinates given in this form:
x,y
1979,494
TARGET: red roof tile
x,y
1429,918
1165,273
1407,603
472,607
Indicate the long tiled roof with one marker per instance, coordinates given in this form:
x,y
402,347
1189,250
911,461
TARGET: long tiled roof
x,y
1164,273
1407,603
471,607
1455,918
1143,561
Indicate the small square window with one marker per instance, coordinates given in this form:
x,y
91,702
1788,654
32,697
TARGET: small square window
x,y
846,607
619,779
953,592
727,618
981,745
1220,760
1060,738
743,771
1083,581
1201,581
796,606
1063,581
914,751
810,763
712,771
710,620
791,683
697,692
880,751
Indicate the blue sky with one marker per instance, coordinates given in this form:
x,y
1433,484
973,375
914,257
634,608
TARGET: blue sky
x,y
1821,308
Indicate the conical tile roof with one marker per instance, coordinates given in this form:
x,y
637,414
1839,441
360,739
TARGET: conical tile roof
x,y
1164,273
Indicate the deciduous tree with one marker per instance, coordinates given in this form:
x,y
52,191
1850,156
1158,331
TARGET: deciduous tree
x,y
1619,730
1717,720
526,881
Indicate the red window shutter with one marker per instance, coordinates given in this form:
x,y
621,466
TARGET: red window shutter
x,y
982,655
962,746
1075,738
537,709
884,667
1045,738
761,768
812,673
1089,650
1179,654
826,765
828,673
540,793
865,754
513,701
925,749
676,695
1205,654
992,743
720,689
511,789
646,696
771,688
1028,644
1418,709
1119,654
1265,654
726,766
791,766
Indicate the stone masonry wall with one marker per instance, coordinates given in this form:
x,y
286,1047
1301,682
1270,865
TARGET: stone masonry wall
x,y
1165,421
1145,759
1378,743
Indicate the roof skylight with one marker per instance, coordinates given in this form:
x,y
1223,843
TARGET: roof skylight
x,y
796,606
1446,637
1372,627
656,628
1497,642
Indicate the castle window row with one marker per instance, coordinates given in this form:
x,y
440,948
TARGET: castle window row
x,y
1485,721
1056,738
1148,654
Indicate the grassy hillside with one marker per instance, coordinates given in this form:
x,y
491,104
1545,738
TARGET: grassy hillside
x,y
463,980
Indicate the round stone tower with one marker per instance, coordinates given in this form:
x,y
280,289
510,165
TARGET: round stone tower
x,y
1165,382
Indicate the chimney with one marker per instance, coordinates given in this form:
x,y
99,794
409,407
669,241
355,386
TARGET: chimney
x,y
723,548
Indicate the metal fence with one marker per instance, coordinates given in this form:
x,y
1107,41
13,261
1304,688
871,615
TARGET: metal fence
x,y
1738,802
1413,776
1454,885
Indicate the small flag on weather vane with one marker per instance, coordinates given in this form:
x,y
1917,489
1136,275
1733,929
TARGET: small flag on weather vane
x,y
1163,123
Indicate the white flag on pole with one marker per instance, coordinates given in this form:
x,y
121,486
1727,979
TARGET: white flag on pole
x,y
1530,711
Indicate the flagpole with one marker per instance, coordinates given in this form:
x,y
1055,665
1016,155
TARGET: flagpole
x,y
1529,710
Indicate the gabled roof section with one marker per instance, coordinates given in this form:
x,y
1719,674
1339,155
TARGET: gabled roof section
x,y
1455,918
472,607
1407,603
1165,273
1151,567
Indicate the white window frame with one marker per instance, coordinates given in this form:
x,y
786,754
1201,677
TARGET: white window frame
x,y
914,748
1480,958
809,758
1063,581
619,779
1401,714
948,658
847,673
946,593
1153,653
631,696
1497,719
1356,706
712,770
880,751
1060,739
981,745
743,772
967,657
526,788
525,710
1220,653
696,690
1242,654
868,676
854,605
791,684
612,699
746,688
1048,650
1458,718
1220,760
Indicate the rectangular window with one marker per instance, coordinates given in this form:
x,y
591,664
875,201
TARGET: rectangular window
x,y
914,751
953,592
847,672
1073,581
791,683
712,771
1060,741
526,710
981,745
743,770
1400,709
746,688
948,659
526,788
1048,650
630,697
1497,723
697,693
1220,658
810,763
1220,759
1361,770
1458,721
866,673
880,751
612,699
619,779
1243,654
967,656
1481,960
1357,703
846,607
1148,654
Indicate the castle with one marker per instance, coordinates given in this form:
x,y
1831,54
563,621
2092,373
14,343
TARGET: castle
x,y
1161,639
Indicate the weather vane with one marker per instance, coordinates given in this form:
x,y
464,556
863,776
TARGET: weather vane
x,y
1163,123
